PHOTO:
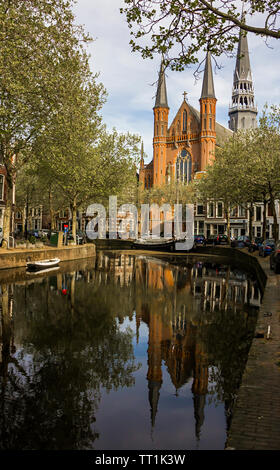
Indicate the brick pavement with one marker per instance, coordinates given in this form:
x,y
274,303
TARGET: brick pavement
x,y
256,416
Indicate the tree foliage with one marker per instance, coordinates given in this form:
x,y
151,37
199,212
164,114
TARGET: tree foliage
x,y
180,29
247,169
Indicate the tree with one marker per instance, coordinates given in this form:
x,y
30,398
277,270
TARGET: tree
x,y
180,29
39,42
247,170
118,157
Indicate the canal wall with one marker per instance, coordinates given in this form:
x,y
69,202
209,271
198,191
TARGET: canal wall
x,y
256,415
16,258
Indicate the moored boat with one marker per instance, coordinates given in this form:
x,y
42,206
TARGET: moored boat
x,y
42,264
156,244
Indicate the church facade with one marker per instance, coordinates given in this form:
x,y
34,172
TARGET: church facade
x,y
186,146
183,149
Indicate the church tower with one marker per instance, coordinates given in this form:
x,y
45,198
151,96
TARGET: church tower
x,y
242,112
207,115
161,111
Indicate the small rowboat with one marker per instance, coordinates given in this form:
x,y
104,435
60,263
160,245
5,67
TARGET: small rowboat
x,y
154,244
43,264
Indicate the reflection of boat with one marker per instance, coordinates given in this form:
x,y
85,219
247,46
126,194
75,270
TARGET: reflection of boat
x,y
43,264
154,244
42,271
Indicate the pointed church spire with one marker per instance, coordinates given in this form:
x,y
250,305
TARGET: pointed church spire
x,y
242,112
208,90
161,98
242,67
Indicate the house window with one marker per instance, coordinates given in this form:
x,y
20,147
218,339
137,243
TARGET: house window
x,y
199,209
233,211
201,227
1,187
211,209
242,211
269,210
258,213
220,209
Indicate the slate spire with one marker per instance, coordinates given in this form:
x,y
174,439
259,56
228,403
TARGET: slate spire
x,y
208,90
243,111
161,97
242,67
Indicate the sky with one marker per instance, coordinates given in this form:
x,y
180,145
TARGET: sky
x,y
130,81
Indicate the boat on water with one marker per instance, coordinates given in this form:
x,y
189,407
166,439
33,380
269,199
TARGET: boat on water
x,y
156,244
163,244
42,264
38,272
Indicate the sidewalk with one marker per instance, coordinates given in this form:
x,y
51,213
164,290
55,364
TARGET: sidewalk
x,y
256,416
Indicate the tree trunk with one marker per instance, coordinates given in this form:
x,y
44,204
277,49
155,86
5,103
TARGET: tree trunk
x,y
51,210
264,219
7,215
251,214
74,218
227,214
275,222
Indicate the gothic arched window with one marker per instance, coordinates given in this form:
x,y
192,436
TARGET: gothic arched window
x,y
184,167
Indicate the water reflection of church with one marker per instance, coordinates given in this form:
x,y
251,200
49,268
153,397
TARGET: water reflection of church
x,y
178,303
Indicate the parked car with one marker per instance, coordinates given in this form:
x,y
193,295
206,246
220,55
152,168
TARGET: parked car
x,y
80,237
211,240
255,244
199,240
241,241
267,247
222,240
275,259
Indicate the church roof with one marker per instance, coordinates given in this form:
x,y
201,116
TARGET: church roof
x,y
208,90
161,97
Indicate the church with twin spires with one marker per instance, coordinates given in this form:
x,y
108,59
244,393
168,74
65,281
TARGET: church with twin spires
x,y
184,148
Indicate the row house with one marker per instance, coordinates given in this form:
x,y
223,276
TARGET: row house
x,y
210,219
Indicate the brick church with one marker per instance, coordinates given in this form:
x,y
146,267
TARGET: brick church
x,y
186,146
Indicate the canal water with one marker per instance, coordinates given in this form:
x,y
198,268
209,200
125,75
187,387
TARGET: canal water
x,y
123,352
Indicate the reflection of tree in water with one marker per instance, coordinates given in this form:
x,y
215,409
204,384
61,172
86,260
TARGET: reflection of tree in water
x,y
228,340
70,349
